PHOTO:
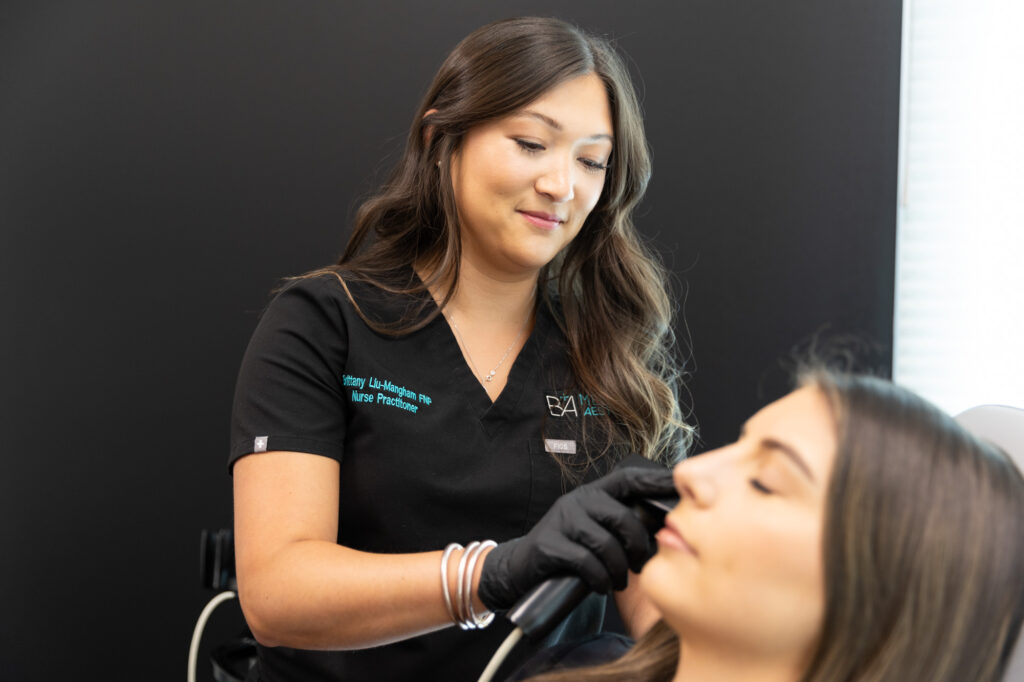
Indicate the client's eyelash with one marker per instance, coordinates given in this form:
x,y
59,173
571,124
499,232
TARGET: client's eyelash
x,y
761,487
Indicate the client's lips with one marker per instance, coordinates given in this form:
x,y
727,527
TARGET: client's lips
x,y
548,221
669,536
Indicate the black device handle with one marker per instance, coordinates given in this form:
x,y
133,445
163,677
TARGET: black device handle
x,y
548,604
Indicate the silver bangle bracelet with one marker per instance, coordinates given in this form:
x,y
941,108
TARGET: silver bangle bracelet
x,y
465,587
444,579
478,621
460,604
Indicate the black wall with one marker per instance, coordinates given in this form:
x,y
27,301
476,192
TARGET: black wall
x,y
161,164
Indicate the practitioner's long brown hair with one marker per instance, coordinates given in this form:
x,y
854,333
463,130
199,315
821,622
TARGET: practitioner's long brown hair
x,y
923,551
606,289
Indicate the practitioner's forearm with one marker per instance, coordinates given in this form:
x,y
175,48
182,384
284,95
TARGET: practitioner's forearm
x,y
319,595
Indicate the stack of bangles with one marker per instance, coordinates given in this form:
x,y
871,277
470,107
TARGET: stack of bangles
x,y
462,611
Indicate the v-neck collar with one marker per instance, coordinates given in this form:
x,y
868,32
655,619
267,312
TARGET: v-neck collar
x,y
464,383
525,364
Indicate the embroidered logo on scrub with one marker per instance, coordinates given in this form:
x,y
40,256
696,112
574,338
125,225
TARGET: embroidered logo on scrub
x,y
260,444
578,404
401,397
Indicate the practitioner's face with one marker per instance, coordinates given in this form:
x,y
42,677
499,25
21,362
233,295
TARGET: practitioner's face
x,y
740,559
525,183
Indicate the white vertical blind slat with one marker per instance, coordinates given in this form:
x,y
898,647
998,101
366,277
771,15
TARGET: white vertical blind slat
x,y
959,327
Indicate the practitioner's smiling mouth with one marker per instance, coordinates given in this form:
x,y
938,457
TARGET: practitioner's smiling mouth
x,y
547,221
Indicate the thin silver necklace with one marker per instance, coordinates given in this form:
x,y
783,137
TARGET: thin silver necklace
x,y
462,342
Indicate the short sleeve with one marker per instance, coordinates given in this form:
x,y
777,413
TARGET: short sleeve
x,y
289,394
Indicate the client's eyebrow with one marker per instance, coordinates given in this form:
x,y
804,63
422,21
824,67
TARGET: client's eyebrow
x,y
790,452
556,125
785,449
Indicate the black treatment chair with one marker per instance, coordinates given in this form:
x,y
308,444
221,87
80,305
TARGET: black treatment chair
x,y
231,660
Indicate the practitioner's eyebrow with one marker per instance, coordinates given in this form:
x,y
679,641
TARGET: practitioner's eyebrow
x,y
558,126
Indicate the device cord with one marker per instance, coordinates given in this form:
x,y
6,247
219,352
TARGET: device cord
x,y
501,654
197,634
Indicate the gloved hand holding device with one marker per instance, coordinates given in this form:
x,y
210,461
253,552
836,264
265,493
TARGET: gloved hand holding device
x,y
590,532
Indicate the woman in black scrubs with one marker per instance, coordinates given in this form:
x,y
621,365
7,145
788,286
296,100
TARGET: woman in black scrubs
x,y
494,335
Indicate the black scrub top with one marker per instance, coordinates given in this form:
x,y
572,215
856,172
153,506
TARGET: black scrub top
x,y
426,458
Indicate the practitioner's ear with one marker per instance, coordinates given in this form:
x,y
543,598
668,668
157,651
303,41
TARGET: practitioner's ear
x,y
428,130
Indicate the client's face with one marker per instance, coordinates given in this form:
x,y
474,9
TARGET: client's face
x,y
739,561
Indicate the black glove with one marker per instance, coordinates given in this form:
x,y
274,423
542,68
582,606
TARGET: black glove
x,y
590,532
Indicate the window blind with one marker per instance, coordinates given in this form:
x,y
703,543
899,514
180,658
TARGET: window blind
x,y
959,308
